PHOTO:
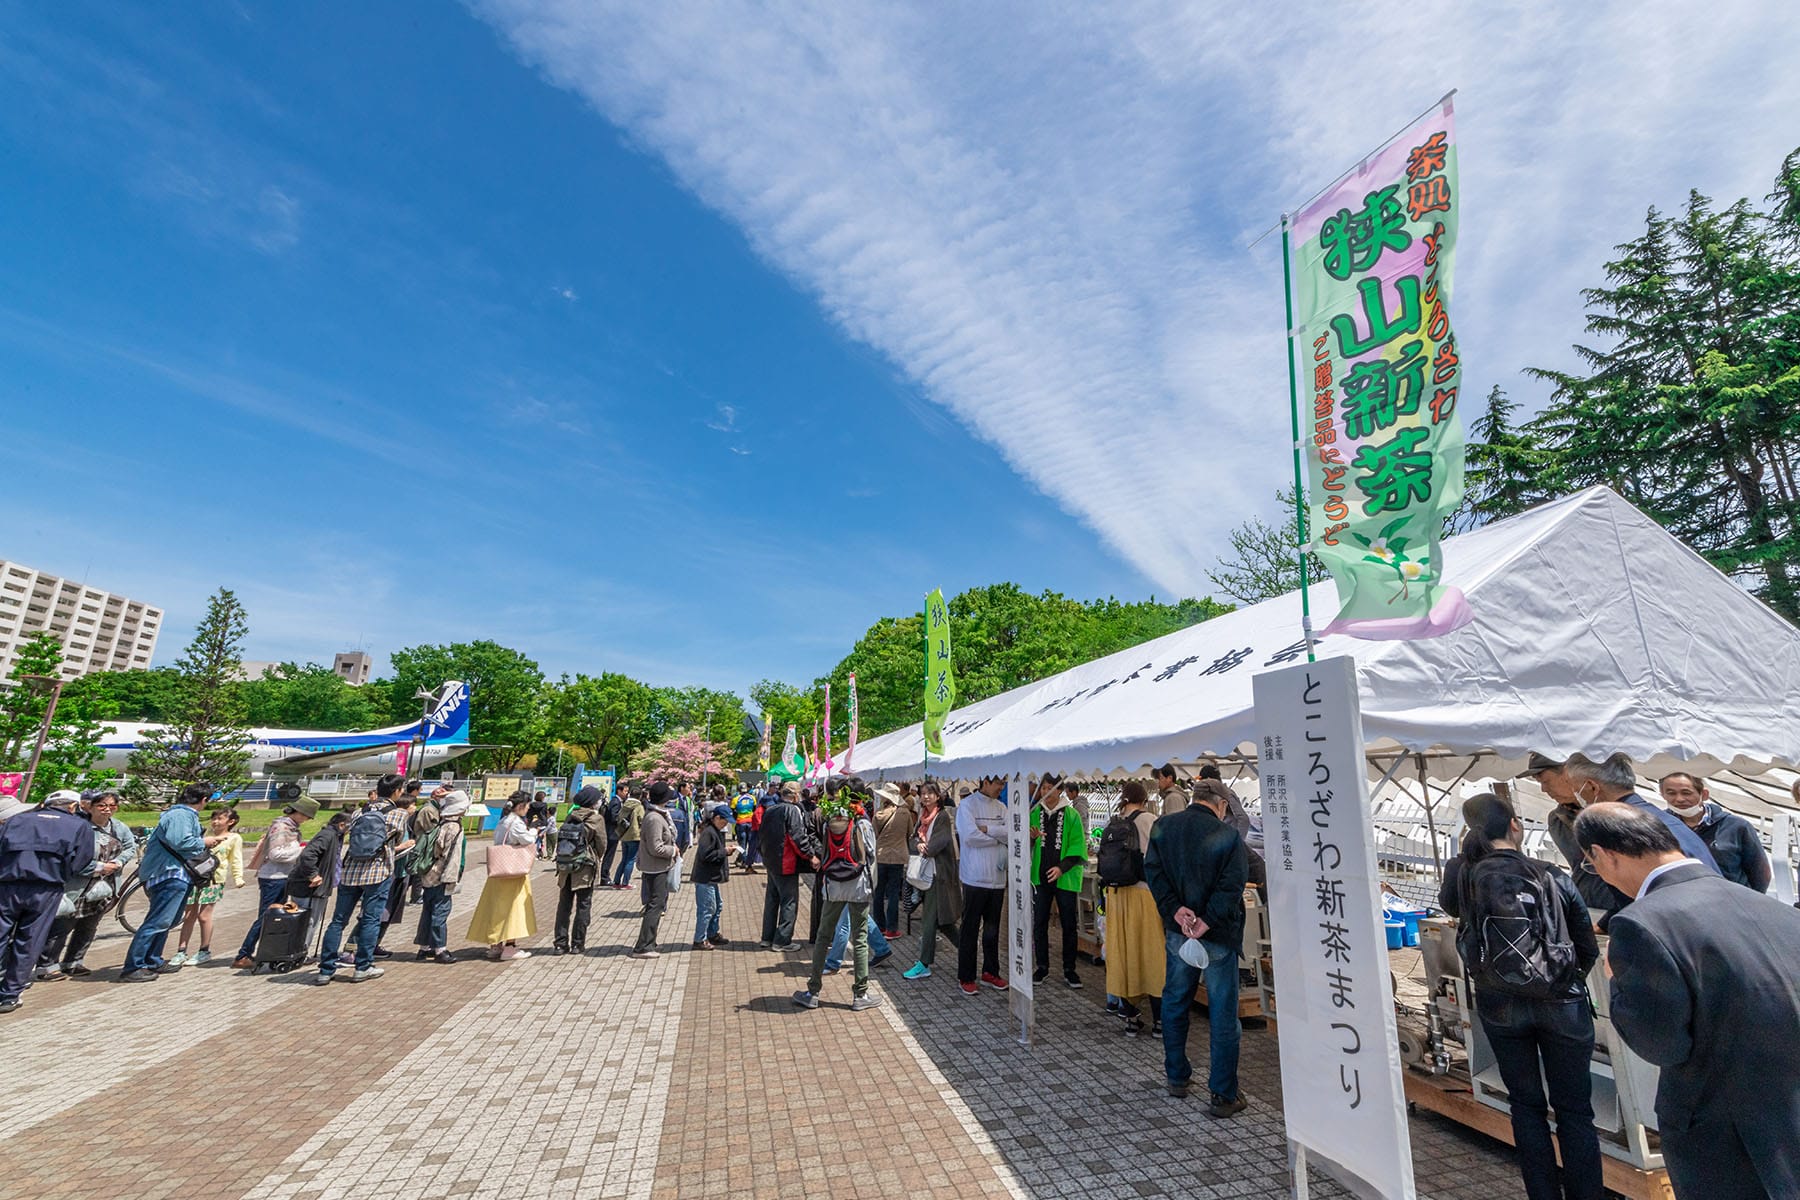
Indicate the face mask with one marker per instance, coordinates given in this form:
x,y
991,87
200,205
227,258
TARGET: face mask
x,y
1685,813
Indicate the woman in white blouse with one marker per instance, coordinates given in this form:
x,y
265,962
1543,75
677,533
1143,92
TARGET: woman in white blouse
x,y
504,913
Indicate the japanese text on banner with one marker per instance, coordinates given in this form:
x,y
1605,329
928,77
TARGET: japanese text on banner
x,y
940,677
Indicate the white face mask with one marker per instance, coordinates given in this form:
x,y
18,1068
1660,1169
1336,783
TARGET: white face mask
x,y
1685,813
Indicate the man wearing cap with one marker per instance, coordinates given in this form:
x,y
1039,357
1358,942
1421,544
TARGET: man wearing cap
x,y
441,821
42,851
658,855
273,860
115,848
787,846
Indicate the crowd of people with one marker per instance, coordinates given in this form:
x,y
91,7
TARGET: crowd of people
x,y
1699,960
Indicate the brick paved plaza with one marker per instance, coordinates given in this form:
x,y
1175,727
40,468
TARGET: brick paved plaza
x,y
601,1076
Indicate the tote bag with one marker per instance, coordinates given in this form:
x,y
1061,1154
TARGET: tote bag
x,y
510,862
921,871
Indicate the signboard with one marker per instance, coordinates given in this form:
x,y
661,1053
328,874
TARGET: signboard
x,y
1340,1054
586,777
940,676
1786,844
1018,899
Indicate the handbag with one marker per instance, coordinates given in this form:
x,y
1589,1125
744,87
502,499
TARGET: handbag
x,y
921,871
200,870
510,862
675,877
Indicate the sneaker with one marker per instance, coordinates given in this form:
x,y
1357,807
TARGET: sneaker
x,y
168,968
917,971
1133,1027
646,954
767,945
321,979
364,976
78,969
865,1002
513,954
443,956
1113,1005
1073,980
9,1004
178,959
1223,1108
242,962
994,981
141,975
1179,1088
1041,974
719,939
205,956
806,999
880,958
381,952
703,944
890,934
970,988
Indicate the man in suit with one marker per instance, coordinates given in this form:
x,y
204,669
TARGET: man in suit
x,y
1704,986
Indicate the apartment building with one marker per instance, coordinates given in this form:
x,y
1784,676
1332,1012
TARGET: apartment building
x,y
100,631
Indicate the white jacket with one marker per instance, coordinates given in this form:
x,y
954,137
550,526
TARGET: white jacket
x,y
983,861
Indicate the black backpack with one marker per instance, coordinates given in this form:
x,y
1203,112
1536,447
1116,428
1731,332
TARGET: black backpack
x,y
1515,933
1120,862
571,846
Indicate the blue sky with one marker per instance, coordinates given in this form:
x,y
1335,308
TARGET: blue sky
x,y
686,342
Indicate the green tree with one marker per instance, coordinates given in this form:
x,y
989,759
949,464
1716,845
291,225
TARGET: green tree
x,y
128,695
788,704
204,738
1263,561
309,697
506,696
606,718
1504,467
72,746
1690,403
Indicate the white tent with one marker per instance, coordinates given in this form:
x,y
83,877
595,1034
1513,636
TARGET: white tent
x,y
1595,630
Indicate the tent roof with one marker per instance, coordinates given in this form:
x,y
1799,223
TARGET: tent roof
x,y
1595,630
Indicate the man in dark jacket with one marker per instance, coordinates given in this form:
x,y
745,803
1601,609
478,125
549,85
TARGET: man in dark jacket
x,y
712,869
1703,985
580,847
315,871
42,850
1733,841
1614,779
1197,867
787,846
1554,782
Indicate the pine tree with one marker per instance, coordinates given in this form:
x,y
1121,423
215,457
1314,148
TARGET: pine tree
x,y
205,739
1504,463
72,746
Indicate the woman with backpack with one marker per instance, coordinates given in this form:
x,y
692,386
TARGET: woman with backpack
x,y
1527,945
1136,961
504,914
934,840
580,845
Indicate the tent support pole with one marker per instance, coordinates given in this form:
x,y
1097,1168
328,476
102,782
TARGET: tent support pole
x,y
1430,820
1287,295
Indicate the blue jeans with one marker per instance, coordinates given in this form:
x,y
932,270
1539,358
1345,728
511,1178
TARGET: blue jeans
x,y
840,941
268,891
373,897
434,918
890,882
707,905
167,898
627,860
1221,976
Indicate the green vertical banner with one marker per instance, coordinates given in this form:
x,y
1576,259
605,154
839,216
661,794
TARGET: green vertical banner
x,y
762,744
940,678
793,763
1379,375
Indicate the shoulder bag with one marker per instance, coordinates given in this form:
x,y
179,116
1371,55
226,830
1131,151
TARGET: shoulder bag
x,y
200,869
510,862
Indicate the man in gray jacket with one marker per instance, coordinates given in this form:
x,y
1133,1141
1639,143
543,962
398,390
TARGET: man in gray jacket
x,y
1703,985
658,855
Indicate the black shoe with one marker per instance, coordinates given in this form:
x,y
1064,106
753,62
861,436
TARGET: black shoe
x,y
141,975
423,955
558,951
1223,1108
719,939
880,958
767,945
378,952
1133,1027
7,1006
1041,974
1254,1022
443,956
1073,980
167,968
1179,1088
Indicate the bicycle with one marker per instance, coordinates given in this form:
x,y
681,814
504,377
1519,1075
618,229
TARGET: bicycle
x,y
132,904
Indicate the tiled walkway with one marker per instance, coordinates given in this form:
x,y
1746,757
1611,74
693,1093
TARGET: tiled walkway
x,y
602,1076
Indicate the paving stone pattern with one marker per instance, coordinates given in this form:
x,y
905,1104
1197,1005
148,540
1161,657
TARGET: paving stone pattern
x,y
691,1075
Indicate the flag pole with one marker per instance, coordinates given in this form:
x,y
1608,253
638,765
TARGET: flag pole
x,y
1287,294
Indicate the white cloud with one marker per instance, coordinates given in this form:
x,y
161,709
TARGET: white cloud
x,y
567,293
725,421
1041,216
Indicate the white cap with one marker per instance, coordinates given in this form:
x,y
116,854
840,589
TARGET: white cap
x,y
63,798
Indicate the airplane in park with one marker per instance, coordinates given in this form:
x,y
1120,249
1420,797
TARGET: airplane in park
x,y
442,734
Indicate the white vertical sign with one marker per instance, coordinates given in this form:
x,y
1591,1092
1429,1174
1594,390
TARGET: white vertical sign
x,y
1018,901
1786,825
1340,1055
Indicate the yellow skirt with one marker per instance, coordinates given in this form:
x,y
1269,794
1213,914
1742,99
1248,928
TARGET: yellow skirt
x,y
504,912
1135,956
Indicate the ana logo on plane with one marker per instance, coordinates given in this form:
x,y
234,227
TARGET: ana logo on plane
x,y
450,699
